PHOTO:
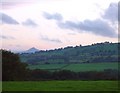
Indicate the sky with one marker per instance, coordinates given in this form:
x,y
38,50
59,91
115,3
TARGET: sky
x,y
50,24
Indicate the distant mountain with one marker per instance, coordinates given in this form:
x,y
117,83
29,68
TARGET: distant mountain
x,y
31,50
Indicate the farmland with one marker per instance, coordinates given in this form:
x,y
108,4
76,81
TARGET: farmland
x,y
77,67
60,86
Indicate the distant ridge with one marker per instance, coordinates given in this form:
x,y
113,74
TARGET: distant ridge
x,y
95,53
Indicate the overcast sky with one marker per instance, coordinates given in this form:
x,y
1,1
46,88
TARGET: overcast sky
x,y
49,24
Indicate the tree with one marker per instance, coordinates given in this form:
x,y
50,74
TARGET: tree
x,y
38,74
12,68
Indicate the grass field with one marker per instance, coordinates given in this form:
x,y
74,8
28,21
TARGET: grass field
x,y
60,86
77,67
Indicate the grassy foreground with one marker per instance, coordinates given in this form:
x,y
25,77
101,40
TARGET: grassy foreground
x,y
60,86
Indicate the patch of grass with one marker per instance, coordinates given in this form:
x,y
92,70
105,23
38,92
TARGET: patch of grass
x,y
60,86
91,66
47,66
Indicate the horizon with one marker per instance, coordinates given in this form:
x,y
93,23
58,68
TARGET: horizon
x,y
46,25
22,51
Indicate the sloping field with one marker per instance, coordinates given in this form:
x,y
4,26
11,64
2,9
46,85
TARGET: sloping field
x,y
77,67
47,66
91,67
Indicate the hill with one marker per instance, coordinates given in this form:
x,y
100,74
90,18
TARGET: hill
x,y
99,52
31,50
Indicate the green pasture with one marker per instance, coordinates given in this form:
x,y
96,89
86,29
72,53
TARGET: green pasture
x,y
77,67
60,86
47,66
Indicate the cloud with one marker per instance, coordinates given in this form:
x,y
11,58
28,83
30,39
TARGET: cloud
x,y
14,45
98,27
29,22
119,12
6,37
7,19
7,4
55,16
50,40
71,33
111,12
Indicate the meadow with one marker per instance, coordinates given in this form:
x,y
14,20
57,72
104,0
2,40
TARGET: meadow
x,y
60,86
77,67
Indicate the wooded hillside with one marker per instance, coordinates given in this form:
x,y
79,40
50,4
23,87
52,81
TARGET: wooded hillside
x,y
99,52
